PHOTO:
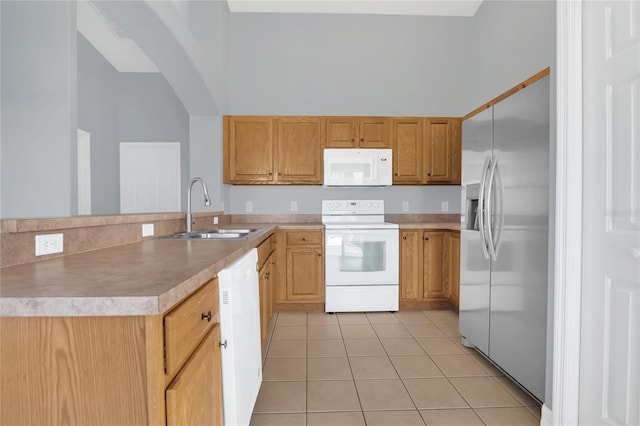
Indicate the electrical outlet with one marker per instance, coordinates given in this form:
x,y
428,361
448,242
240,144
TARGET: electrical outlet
x,y
215,220
49,244
445,206
248,207
405,206
147,229
294,206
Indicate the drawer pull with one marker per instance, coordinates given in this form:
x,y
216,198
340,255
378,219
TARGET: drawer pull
x,y
304,239
207,316
221,344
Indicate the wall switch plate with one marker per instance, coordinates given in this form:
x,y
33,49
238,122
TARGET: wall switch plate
x,y
445,206
147,229
49,244
215,220
294,206
405,206
248,207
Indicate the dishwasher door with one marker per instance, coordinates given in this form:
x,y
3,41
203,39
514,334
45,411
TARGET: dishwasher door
x,y
240,329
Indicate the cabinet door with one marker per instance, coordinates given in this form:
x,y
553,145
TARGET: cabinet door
x,y
263,285
456,151
340,132
437,150
248,149
299,150
435,282
374,132
453,240
407,150
411,265
195,395
305,274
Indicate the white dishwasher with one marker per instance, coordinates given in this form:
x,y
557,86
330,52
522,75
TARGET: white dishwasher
x,y
240,339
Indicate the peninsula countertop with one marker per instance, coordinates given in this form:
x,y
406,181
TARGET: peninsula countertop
x,y
142,278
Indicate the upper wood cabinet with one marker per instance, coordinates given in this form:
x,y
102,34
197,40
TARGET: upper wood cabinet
x,y
288,149
357,132
299,147
248,149
427,151
272,150
407,150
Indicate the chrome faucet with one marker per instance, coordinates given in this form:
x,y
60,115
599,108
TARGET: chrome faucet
x,y
207,200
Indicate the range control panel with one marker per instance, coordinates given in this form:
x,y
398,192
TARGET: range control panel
x,y
352,207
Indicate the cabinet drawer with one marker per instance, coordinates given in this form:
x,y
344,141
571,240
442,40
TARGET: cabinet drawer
x,y
264,249
187,324
304,237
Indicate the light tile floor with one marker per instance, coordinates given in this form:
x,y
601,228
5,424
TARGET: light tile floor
x,y
382,369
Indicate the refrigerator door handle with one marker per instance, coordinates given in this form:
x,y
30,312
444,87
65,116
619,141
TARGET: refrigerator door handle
x,y
489,201
482,206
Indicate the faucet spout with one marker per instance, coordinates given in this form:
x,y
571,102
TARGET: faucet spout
x,y
207,201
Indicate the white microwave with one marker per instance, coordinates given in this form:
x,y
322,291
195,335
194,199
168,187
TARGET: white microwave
x,y
358,167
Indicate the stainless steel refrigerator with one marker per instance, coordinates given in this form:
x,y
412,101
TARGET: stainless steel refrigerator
x,y
504,234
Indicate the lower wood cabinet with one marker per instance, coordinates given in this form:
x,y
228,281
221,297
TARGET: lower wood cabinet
x,y
267,278
200,380
114,370
428,268
300,284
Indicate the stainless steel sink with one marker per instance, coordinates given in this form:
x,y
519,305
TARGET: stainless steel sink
x,y
213,234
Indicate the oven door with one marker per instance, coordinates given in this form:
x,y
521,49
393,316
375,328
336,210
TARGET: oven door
x,y
361,257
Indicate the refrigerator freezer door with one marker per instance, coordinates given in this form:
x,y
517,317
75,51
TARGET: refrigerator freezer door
x,y
519,274
475,271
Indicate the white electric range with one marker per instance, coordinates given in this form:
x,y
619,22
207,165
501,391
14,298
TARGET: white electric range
x,y
361,257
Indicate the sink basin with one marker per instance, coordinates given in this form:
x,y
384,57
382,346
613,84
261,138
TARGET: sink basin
x,y
213,234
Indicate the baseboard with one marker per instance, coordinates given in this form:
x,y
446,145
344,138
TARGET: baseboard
x,y
546,418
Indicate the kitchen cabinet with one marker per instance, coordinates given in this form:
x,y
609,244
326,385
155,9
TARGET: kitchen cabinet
x,y
267,276
427,277
108,370
407,150
357,132
272,150
427,151
300,285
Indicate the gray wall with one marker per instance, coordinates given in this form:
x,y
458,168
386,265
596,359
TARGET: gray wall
x,y
98,115
124,107
38,109
380,65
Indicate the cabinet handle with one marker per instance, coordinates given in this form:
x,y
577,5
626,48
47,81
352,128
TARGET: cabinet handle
x,y
267,275
207,316
404,237
221,344
395,174
362,140
428,174
426,238
304,239
319,255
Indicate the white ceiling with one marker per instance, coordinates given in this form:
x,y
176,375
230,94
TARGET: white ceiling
x,y
379,7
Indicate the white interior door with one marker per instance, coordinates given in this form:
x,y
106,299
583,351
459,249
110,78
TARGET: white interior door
x,y
149,177
610,345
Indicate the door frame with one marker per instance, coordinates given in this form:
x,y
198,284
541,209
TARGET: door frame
x,y
568,237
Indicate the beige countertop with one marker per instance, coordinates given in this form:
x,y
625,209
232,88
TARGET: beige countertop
x,y
141,278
